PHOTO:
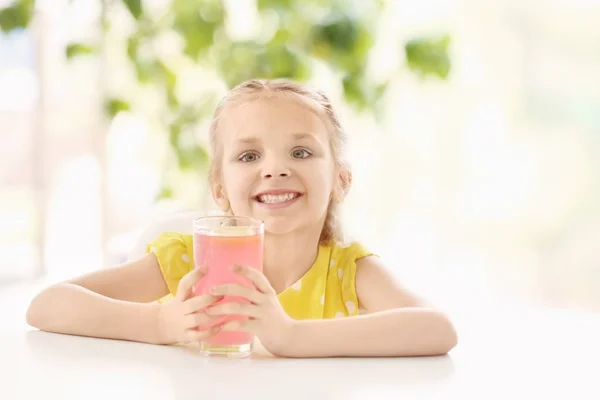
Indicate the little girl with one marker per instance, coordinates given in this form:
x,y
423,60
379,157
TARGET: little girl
x,y
278,158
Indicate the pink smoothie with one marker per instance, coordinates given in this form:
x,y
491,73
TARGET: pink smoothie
x,y
218,254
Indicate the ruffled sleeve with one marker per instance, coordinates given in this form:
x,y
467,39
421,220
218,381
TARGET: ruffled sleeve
x,y
346,271
174,252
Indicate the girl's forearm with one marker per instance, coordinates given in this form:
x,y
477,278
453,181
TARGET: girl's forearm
x,y
72,309
398,332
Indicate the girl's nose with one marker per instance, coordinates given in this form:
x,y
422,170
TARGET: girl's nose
x,y
280,174
275,168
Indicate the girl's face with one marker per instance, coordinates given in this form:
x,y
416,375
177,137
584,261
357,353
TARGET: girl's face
x,y
276,164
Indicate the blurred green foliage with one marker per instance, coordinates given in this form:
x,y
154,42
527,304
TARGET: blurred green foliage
x,y
78,49
337,33
17,15
429,56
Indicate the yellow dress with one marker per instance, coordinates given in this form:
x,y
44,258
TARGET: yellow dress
x,y
327,289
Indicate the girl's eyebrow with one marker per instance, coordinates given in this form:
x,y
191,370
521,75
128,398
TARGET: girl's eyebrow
x,y
303,135
297,136
249,139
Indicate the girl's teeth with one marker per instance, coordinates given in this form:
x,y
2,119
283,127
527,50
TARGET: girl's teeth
x,y
276,198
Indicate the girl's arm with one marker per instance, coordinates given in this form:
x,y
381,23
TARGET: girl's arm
x,y
111,303
397,323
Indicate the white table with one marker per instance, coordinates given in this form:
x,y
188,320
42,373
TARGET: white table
x,y
504,353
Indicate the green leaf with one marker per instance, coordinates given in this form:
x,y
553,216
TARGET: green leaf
x,y
337,32
114,106
274,4
356,91
170,80
16,16
165,193
362,94
212,10
133,44
105,25
342,41
283,62
429,56
169,76
281,37
147,70
78,49
172,99
196,157
197,22
241,61
289,5
134,7
198,34
174,133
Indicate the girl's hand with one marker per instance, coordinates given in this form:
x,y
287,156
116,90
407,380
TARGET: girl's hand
x,y
178,318
266,318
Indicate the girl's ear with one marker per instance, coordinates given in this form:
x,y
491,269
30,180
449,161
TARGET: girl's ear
x,y
344,181
219,195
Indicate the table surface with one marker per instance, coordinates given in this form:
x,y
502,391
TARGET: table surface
x,y
503,352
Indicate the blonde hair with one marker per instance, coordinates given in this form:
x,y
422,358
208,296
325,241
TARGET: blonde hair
x,y
258,87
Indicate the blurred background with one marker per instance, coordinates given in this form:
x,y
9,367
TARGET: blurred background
x,y
474,126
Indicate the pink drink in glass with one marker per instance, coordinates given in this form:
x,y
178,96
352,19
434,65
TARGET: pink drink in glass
x,y
219,244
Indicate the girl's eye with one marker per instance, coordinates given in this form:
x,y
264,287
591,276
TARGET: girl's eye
x,y
248,157
300,153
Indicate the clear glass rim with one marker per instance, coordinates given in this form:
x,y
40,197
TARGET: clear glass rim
x,y
229,226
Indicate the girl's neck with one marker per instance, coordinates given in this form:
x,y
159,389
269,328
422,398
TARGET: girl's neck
x,y
288,257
